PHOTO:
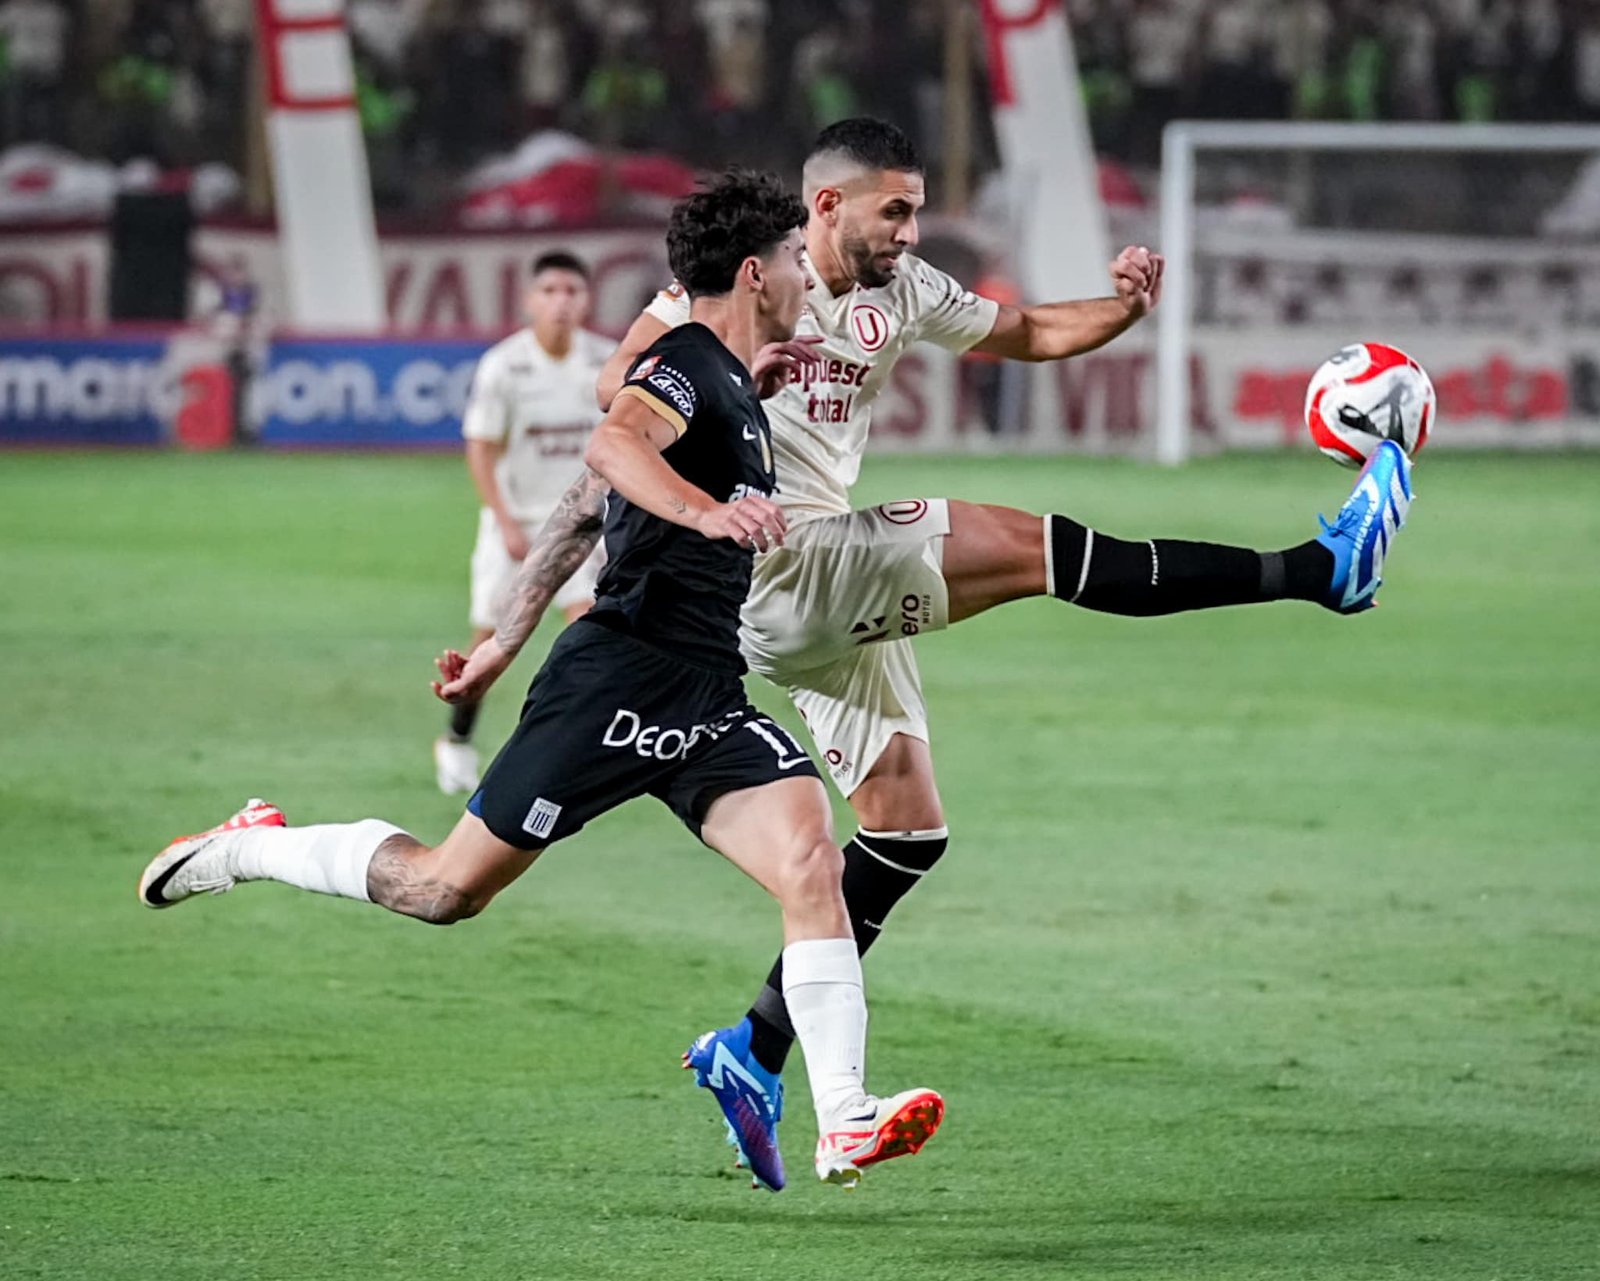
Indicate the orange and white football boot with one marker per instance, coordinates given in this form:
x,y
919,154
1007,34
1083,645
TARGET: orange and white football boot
x,y
198,864
877,1130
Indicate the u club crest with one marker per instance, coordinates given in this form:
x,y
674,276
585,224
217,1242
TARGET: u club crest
x,y
870,325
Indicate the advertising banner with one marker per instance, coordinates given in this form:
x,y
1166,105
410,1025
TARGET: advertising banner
x,y
92,391
437,284
1523,390
1247,390
54,277
196,390
1275,282
334,393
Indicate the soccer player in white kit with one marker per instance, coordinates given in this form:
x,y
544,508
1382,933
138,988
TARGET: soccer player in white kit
x,y
528,417
832,612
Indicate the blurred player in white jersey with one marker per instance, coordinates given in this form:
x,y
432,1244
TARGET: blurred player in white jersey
x,y
831,613
528,418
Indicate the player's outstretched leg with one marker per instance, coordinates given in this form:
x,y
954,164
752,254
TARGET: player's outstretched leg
x,y
780,835
998,554
370,861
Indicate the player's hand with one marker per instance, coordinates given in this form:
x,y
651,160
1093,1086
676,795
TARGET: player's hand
x,y
1136,273
779,363
467,679
516,541
750,522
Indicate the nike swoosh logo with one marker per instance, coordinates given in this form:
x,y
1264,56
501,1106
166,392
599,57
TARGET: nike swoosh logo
x,y
152,893
749,432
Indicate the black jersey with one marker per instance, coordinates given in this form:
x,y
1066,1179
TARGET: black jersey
x,y
665,583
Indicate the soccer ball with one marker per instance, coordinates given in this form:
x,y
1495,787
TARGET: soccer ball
x,y
1368,393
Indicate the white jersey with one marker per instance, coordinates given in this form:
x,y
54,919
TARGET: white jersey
x,y
820,424
542,409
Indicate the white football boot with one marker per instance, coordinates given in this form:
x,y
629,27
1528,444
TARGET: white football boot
x,y
877,1130
199,864
455,766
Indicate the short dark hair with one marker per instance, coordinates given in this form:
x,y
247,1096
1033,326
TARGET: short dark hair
x,y
874,144
739,215
560,260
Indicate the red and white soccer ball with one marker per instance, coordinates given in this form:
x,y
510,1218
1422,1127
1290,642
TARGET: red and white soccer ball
x,y
1368,393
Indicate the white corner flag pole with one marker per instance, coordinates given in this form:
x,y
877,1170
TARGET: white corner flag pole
x,y
319,167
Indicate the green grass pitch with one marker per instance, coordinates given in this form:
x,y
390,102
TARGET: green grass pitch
x,y
1268,945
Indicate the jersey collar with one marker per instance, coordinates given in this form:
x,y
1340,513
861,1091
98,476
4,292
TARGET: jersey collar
x,y
820,299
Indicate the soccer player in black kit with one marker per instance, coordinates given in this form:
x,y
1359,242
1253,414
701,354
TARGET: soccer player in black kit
x,y
644,694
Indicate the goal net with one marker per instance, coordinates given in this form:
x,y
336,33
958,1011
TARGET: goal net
x,y
1475,248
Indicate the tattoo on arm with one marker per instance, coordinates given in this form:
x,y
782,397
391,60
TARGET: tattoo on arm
x,y
561,545
678,505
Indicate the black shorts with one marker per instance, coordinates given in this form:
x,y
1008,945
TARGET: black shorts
x,y
609,718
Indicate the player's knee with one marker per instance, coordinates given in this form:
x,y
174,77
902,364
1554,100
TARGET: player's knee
x,y
814,874
1025,532
448,906
997,544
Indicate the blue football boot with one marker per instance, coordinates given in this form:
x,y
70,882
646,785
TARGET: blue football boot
x,y
751,1099
1359,537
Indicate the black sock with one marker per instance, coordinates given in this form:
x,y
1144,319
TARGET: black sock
x,y
463,716
880,868
1167,576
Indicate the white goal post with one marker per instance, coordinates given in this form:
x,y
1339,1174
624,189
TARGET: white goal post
x,y
1183,140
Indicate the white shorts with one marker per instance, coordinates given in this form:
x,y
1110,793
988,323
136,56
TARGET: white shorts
x,y
493,569
831,615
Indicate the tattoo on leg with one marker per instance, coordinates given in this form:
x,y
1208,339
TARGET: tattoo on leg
x,y
396,883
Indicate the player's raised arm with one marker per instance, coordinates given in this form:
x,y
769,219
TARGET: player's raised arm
x,y
667,310
1054,331
646,328
626,450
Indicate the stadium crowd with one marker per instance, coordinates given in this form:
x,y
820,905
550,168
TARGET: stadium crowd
x,y
1471,60
444,83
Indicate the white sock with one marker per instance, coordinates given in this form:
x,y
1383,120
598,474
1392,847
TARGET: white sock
x,y
828,1007
330,858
